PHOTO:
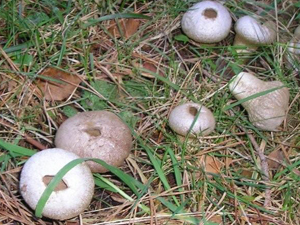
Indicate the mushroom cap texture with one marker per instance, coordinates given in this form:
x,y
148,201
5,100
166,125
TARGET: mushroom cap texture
x,y
62,204
206,22
292,56
182,117
96,134
294,45
251,30
266,112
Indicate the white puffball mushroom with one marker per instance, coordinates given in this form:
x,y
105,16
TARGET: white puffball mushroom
x,y
266,112
182,117
96,134
251,33
206,22
292,55
70,197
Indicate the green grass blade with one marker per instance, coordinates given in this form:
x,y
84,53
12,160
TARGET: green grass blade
x,y
160,172
288,168
177,172
155,162
163,79
101,184
127,179
16,149
18,47
122,193
177,210
252,97
158,169
221,188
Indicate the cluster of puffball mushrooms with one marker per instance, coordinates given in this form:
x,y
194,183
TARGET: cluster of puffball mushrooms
x,y
95,134
103,135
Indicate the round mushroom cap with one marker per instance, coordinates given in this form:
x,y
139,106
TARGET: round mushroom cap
x,y
96,134
297,32
252,31
294,45
294,48
206,22
182,117
71,196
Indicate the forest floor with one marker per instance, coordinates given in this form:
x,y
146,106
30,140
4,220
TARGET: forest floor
x,y
132,58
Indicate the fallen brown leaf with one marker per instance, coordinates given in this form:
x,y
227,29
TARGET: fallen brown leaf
x,y
60,87
148,66
101,46
275,158
7,83
216,219
247,173
72,222
212,164
117,198
128,27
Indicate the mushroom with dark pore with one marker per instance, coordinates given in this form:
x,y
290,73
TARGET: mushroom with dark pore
x,y
96,134
268,111
71,196
182,118
206,22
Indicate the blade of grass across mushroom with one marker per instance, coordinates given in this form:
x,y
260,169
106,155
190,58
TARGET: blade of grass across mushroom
x,y
104,183
114,188
92,22
252,97
132,183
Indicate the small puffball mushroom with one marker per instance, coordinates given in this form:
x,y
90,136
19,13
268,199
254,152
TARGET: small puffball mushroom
x,y
70,197
96,134
293,51
266,112
182,117
250,33
206,22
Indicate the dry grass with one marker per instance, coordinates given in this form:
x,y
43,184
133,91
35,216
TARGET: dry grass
x,y
150,72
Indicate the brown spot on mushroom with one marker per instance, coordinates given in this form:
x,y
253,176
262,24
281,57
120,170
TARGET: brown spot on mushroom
x,y
24,188
94,132
61,185
193,110
210,13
